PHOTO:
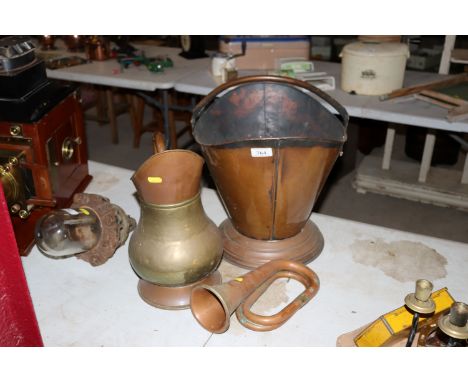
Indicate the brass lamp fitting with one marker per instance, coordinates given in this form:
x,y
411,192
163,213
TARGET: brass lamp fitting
x,y
421,301
454,324
13,187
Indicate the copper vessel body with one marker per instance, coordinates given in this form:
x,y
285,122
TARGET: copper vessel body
x,y
173,298
97,48
75,43
213,305
272,199
269,145
250,253
169,177
47,42
175,245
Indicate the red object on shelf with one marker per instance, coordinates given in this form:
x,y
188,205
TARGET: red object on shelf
x,y
18,323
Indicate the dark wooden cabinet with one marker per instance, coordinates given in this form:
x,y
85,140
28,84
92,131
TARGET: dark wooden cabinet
x,y
52,163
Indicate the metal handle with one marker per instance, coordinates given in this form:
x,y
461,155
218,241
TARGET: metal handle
x,y
159,144
205,102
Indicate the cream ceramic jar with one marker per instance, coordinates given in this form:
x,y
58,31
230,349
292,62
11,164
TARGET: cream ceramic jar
x,y
373,68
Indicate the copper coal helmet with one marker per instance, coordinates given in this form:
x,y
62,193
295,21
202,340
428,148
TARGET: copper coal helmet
x,y
270,143
175,245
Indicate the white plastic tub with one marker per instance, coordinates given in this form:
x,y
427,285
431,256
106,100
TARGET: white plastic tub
x,y
373,68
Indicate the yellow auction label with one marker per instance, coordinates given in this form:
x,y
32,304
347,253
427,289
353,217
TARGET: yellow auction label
x,y
154,179
381,330
86,212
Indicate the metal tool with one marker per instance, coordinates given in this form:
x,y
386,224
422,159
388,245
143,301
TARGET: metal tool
x,y
419,302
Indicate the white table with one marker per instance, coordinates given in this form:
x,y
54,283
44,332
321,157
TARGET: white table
x,y
414,112
108,72
78,305
137,78
194,77
377,173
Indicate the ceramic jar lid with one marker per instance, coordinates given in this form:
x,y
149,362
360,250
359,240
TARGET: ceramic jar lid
x,y
368,49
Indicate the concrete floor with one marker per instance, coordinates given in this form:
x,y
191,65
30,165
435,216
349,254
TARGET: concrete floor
x,y
337,199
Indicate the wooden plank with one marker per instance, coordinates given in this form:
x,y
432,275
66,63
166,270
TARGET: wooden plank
x,y
430,85
433,101
387,157
464,178
111,116
459,56
458,113
442,188
444,97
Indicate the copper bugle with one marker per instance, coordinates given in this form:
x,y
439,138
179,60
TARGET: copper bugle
x,y
213,305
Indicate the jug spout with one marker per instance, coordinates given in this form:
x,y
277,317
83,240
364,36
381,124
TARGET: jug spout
x,y
169,177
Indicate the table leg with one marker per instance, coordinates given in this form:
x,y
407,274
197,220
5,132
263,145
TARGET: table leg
x,y
137,106
427,157
111,116
165,110
387,156
449,44
101,108
172,125
166,107
193,102
464,179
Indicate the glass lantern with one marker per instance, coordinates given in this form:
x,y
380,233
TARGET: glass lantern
x,y
67,232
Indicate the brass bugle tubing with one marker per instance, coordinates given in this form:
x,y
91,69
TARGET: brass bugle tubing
x,y
266,323
213,305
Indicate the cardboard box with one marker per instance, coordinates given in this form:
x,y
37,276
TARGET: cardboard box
x,y
263,52
424,59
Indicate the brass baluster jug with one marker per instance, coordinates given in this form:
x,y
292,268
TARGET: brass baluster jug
x,y
175,245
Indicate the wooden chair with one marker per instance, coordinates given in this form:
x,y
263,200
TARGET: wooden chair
x,y
156,124
108,103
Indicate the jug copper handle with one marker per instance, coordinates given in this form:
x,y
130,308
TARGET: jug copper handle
x,y
206,101
159,144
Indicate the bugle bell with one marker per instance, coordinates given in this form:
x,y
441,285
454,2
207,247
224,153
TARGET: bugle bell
x,y
213,305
